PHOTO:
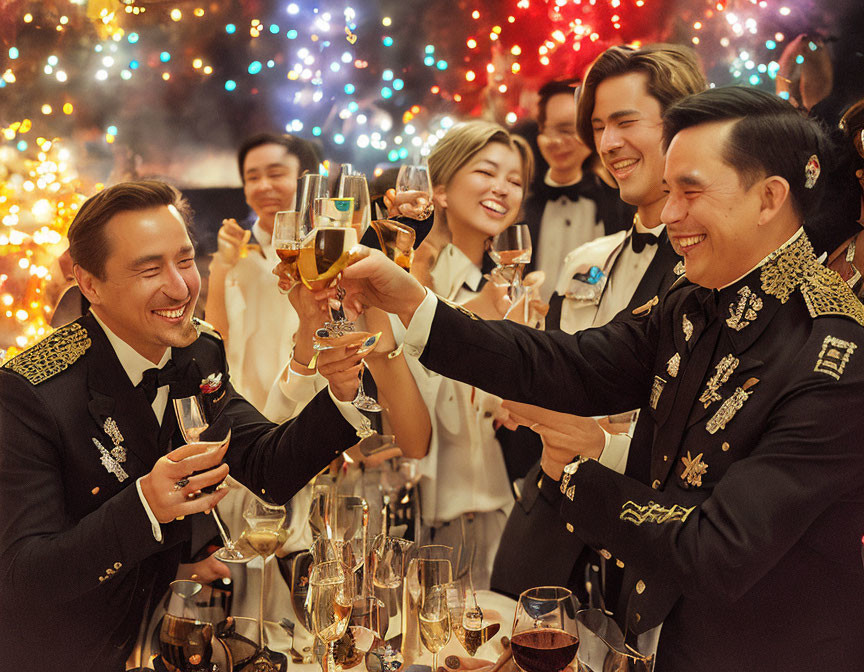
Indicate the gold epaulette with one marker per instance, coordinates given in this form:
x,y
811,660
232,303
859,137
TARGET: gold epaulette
x,y
203,327
52,355
461,309
824,291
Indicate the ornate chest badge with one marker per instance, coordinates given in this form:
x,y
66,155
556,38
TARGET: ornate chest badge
x,y
656,391
687,327
694,468
834,356
730,407
113,459
673,365
749,305
725,368
211,383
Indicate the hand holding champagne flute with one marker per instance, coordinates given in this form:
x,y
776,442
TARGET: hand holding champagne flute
x,y
413,197
289,231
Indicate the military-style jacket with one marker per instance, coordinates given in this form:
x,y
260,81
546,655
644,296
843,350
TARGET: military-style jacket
x,y
78,558
746,544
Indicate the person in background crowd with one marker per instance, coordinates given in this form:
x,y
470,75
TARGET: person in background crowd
x,y
478,173
243,302
575,201
630,89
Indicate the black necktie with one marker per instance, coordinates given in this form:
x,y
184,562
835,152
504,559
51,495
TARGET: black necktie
x,y
155,378
640,240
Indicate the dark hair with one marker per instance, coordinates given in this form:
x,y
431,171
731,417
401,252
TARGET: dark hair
x,y
302,149
770,137
556,87
88,245
673,72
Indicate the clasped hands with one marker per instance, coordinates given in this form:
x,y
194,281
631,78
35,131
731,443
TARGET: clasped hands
x,y
564,436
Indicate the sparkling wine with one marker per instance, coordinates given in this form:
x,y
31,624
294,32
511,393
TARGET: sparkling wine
x,y
397,241
510,257
434,632
327,256
288,254
264,542
544,650
185,643
329,616
414,204
472,639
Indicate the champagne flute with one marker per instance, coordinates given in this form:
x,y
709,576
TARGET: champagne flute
x,y
309,188
264,534
289,231
185,641
389,562
545,638
354,186
190,418
511,251
330,600
414,192
397,241
434,574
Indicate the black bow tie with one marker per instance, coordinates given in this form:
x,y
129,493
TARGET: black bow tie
x,y
547,192
640,240
155,378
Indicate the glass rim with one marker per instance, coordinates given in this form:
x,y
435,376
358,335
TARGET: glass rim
x,y
562,593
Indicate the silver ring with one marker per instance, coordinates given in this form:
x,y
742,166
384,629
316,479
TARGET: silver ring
x,y
182,483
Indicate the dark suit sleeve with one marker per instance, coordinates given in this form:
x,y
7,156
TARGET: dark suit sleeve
x,y
44,553
277,461
717,549
596,371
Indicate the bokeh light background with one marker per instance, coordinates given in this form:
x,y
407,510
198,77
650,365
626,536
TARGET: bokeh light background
x,y
94,91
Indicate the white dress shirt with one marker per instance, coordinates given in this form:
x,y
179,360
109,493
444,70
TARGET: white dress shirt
x,y
564,225
464,469
135,365
261,321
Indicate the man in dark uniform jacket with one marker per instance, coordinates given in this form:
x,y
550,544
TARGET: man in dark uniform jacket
x,y
625,91
745,545
89,497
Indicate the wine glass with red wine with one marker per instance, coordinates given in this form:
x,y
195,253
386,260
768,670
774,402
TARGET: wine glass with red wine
x,y
545,637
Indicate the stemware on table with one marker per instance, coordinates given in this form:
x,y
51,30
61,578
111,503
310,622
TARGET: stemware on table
x,y
330,601
545,636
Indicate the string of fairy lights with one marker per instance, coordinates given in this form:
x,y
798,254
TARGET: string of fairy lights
x,y
373,87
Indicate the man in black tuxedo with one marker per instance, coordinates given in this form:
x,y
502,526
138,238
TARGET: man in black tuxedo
x,y
97,507
624,95
746,543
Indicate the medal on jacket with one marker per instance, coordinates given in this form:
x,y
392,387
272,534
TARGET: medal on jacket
x,y
112,459
725,367
730,407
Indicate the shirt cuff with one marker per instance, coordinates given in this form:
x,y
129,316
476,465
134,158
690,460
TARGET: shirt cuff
x,y
352,415
417,334
615,452
154,524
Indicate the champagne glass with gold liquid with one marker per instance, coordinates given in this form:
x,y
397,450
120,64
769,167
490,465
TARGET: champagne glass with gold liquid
x,y
511,251
265,534
289,232
329,602
433,613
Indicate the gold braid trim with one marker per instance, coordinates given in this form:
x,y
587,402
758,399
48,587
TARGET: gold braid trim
x,y
795,267
51,355
652,512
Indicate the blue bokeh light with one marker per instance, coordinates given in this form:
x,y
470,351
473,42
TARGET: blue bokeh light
x,y
230,85
350,88
230,29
